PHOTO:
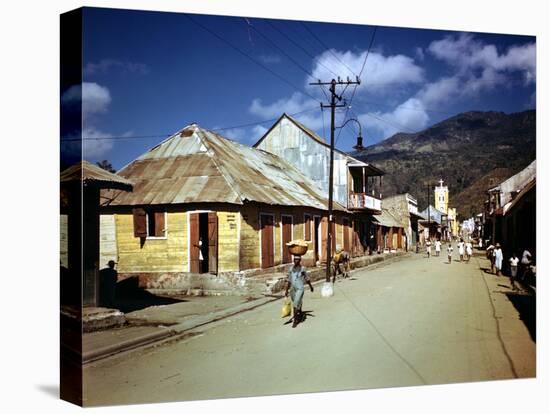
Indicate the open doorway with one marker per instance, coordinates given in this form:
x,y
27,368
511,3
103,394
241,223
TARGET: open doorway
x,y
203,243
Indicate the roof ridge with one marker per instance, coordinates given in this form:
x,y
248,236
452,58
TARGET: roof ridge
x,y
209,150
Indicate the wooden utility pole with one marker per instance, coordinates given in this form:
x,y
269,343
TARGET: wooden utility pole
x,y
333,105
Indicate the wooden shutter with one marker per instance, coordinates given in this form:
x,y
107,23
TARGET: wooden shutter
x,y
160,225
194,242
307,229
212,242
140,222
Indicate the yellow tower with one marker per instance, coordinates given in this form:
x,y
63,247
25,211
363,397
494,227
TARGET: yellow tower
x,y
441,194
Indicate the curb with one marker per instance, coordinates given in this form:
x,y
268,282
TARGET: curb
x,y
174,330
182,328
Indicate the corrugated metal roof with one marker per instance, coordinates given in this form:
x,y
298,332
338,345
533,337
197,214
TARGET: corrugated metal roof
x,y
353,162
386,219
198,166
86,172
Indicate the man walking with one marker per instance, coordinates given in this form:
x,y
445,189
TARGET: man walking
x,y
429,248
450,253
437,247
498,258
514,270
297,278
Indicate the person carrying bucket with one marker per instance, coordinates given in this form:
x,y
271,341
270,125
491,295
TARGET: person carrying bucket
x,y
295,284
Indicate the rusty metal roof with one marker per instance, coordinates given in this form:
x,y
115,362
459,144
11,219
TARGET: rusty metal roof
x,y
198,166
386,219
88,173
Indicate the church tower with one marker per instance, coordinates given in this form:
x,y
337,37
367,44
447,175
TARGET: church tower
x,y
441,194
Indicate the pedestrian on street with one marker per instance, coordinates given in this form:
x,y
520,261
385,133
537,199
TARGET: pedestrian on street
x,y
514,270
461,249
450,253
491,257
429,248
437,247
469,251
498,258
297,278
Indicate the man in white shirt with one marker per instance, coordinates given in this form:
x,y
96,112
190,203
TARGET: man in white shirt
x,y
437,247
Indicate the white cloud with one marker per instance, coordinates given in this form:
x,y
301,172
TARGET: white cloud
x,y
295,103
93,148
380,71
108,65
439,92
469,55
409,116
94,98
245,135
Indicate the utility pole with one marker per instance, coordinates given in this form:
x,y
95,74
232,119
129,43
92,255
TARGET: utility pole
x,y
333,105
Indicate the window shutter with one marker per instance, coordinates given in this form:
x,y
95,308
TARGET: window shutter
x,y
140,222
160,225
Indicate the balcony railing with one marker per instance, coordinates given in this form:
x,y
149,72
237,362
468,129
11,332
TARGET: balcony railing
x,y
364,201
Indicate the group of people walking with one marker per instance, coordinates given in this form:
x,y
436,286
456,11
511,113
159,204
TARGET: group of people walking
x,y
465,249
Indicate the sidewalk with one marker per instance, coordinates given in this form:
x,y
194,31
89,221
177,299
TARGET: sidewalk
x,y
179,315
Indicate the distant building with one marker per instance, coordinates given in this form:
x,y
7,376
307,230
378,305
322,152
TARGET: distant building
x,y
441,194
404,208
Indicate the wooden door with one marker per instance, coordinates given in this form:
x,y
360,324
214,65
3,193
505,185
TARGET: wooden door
x,y
287,236
213,243
345,225
324,227
399,238
267,243
194,243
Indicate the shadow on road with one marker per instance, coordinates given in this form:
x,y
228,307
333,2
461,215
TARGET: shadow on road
x,y
305,315
526,305
130,298
486,270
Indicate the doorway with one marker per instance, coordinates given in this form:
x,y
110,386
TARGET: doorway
x,y
203,242
267,244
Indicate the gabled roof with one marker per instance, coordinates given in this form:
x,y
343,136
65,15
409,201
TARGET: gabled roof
x,y
313,135
196,165
88,173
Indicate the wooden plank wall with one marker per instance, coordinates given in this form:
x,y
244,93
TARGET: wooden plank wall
x,y
228,241
156,255
107,240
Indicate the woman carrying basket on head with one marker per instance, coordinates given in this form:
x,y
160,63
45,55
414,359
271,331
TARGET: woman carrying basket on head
x,y
297,279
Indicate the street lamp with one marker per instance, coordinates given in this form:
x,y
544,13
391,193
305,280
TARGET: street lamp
x,y
359,146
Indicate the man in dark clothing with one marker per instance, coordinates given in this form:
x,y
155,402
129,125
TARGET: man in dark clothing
x,y
109,277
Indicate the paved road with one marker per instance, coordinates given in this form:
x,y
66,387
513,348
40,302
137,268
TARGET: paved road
x,y
412,322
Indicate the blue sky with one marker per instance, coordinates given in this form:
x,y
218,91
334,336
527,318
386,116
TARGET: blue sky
x,y
151,74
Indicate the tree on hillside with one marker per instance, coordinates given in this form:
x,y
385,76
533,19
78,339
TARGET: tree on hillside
x,y
106,165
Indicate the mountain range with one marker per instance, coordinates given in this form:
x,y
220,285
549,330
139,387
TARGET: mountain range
x,y
469,152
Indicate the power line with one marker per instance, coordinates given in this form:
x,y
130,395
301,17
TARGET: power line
x,y
300,47
242,52
122,137
360,73
281,50
327,48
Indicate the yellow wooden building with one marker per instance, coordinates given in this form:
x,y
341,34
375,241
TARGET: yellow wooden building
x,y
205,204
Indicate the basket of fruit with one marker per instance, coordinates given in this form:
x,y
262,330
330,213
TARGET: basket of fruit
x,y
297,247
